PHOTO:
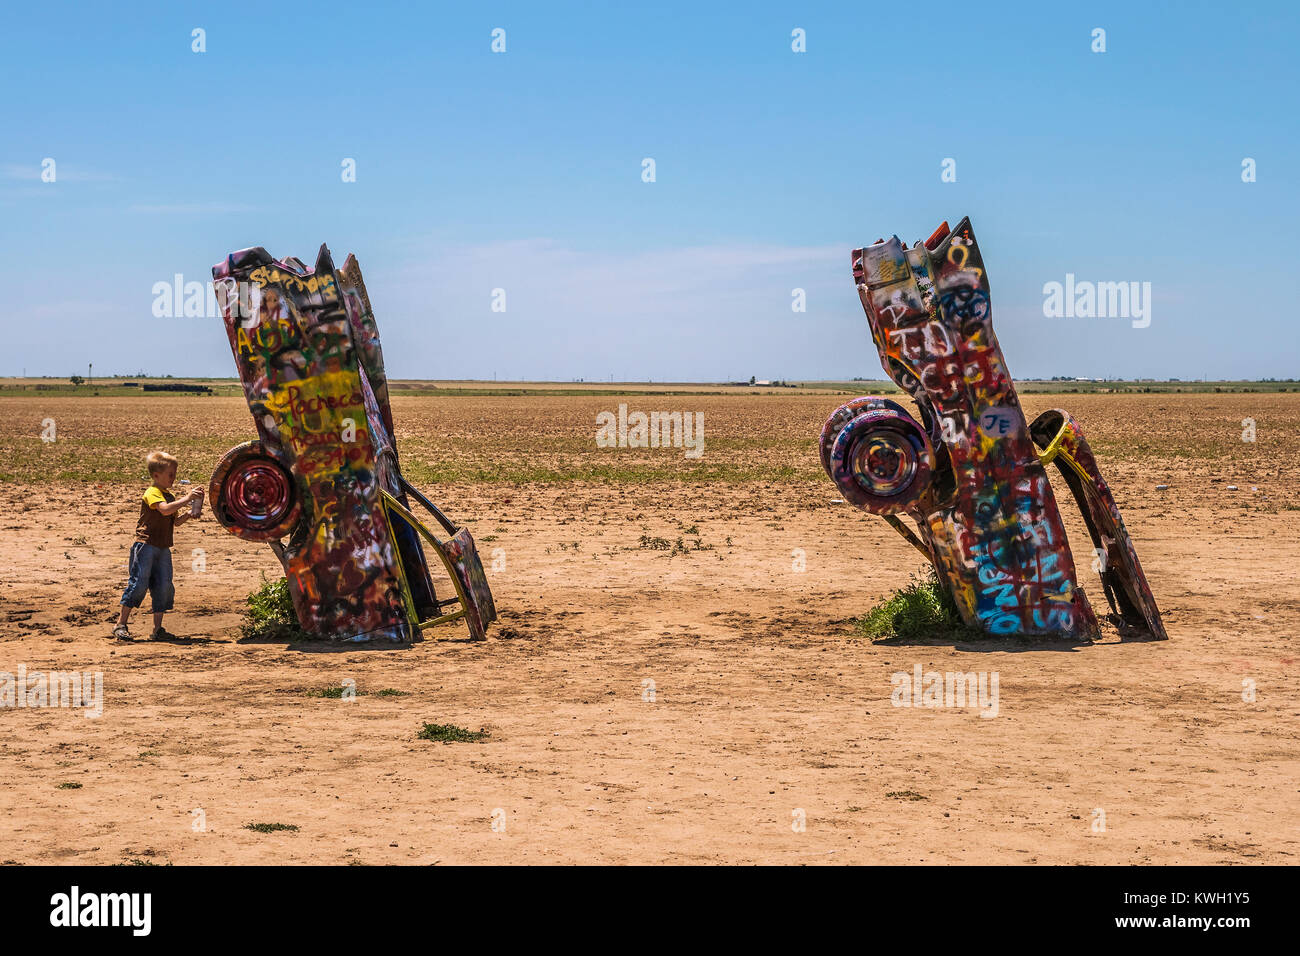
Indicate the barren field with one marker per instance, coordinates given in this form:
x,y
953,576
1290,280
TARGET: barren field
x,y
665,683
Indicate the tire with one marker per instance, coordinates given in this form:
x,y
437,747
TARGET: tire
x,y
254,496
882,461
841,417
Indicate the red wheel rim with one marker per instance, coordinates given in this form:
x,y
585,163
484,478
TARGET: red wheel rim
x,y
258,493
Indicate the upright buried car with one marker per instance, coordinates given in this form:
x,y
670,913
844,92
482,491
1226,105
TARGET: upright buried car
x,y
968,474
324,470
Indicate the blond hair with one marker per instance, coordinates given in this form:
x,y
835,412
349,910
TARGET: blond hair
x,y
159,461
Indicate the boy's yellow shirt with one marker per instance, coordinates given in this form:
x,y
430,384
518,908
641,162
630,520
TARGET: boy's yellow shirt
x,y
155,496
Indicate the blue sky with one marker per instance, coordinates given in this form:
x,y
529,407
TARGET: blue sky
x,y
522,171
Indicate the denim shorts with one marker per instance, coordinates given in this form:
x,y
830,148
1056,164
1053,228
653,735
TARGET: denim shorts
x,y
151,570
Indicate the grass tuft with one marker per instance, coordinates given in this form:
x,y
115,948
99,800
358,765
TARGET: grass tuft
x,y
332,693
450,733
336,693
923,609
270,827
270,615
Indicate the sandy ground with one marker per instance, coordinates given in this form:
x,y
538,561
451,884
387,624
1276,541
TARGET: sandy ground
x,y
766,708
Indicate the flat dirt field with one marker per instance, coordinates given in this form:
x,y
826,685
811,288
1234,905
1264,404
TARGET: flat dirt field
x,y
617,568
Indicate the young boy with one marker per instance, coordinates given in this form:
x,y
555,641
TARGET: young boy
x,y
151,555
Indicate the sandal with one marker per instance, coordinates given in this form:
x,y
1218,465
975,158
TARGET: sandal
x,y
162,634
120,633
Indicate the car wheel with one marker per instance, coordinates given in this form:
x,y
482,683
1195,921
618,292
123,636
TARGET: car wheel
x,y
254,496
882,461
842,416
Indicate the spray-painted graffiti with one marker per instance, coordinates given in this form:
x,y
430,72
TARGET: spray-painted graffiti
x,y
324,471
968,473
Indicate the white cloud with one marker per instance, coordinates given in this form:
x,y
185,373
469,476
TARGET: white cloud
x,y
696,312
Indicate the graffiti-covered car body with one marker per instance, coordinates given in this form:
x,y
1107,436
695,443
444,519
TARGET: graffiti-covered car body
x,y
970,474
324,471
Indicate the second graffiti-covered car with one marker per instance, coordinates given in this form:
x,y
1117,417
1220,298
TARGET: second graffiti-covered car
x,y
971,474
